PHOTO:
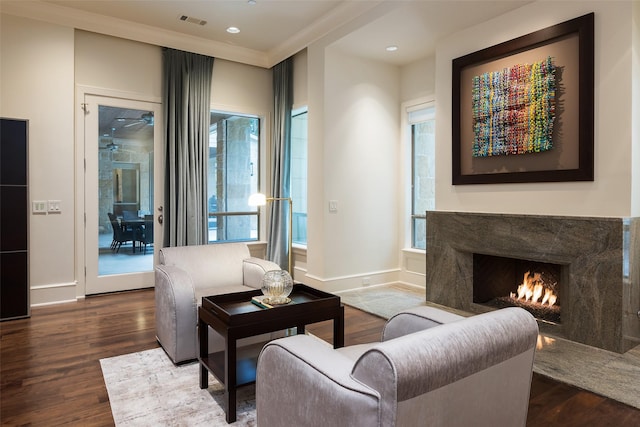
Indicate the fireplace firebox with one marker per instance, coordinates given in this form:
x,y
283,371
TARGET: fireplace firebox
x,y
500,282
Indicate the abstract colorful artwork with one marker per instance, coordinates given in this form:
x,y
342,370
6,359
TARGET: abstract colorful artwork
x,y
514,109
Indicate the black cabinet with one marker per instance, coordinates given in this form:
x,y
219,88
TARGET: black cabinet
x,y
14,219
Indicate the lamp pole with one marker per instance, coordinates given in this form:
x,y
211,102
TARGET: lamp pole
x,y
259,199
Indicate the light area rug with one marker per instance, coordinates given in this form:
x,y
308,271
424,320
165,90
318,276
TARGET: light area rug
x,y
147,389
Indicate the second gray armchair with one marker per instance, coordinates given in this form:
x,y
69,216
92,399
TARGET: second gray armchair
x,y
432,368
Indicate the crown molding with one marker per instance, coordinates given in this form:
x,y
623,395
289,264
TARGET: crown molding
x,y
339,16
87,21
60,15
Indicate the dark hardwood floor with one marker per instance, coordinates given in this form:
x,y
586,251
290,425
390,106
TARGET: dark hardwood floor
x,y
50,371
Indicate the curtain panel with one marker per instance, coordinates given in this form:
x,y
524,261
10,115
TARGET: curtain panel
x,y
187,92
278,242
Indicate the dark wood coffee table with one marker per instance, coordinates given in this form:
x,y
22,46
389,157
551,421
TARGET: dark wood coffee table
x,y
234,316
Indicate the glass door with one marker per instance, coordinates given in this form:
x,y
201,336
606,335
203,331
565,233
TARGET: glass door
x,y
122,193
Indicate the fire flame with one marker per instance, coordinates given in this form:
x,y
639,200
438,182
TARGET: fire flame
x,y
544,341
532,290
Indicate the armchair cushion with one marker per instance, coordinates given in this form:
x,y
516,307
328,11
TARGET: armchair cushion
x,y
209,265
416,319
403,323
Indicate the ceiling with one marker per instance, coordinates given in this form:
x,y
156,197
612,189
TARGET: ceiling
x,y
124,124
272,30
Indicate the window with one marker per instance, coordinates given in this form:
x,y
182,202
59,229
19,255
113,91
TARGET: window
x,y
234,142
422,122
299,175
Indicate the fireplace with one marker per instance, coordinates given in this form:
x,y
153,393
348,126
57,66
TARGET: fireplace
x,y
596,262
500,282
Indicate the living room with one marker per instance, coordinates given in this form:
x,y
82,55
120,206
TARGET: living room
x,y
331,84
44,63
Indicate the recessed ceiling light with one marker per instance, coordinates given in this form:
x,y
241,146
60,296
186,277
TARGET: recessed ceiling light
x,y
392,48
233,30
251,1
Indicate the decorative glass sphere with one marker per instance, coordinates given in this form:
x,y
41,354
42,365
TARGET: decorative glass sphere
x,y
276,286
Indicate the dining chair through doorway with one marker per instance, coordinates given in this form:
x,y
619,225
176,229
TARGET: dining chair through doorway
x,y
145,234
120,235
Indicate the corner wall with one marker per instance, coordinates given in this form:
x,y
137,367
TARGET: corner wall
x,y
361,152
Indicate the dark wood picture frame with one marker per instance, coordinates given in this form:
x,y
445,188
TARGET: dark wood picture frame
x,y
575,99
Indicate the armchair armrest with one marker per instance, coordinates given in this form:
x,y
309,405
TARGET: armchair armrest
x,y
500,343
301,376
253,269
175,299
416,319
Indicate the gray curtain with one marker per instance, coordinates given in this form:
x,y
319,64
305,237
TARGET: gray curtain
x,y
187,92
278,243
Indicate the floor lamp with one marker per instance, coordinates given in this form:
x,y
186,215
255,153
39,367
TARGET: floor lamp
x,y
259,199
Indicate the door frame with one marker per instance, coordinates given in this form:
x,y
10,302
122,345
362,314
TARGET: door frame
x,y
82,92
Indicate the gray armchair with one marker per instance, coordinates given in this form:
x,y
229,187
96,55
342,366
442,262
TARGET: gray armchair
x,y
187,273
431,368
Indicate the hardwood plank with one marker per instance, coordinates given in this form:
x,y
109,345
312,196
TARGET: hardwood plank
x,y
50,371
49,363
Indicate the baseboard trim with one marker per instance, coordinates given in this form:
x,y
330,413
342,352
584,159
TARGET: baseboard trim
x,y
55,293
337,284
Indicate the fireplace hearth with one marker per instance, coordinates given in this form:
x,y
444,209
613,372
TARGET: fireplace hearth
x,y
597,258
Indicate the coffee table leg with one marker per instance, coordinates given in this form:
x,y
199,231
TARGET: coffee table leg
x,y
230,379
204,350
338,329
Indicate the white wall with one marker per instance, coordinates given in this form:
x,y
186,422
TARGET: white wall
x,y
610,193
118,64
635,115
242,88
418,79
361,146
36,83
354,160
300,96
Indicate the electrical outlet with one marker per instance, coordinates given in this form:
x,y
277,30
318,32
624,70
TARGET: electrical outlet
x,y
53,206
366,281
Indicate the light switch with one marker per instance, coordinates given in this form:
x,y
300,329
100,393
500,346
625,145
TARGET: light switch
x,y
54,206
333,206
39,207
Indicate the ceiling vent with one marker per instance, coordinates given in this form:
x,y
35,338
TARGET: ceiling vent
x,y
192,20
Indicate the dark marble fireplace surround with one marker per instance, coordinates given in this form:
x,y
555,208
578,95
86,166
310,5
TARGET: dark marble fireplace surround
x,y
601,258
